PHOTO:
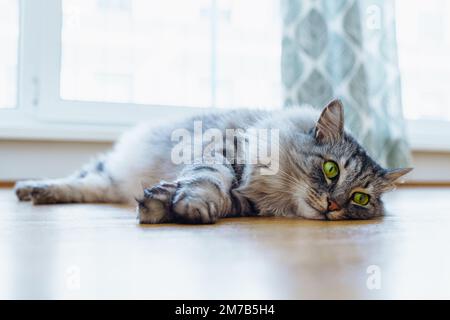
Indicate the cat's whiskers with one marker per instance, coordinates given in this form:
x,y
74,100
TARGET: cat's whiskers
x,y
306,188
288,177
302,186
286,182
312,196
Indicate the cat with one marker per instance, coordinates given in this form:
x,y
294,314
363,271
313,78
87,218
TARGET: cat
x,y
320,172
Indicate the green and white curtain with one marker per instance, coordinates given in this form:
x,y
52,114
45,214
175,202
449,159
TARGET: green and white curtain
x,y
347,49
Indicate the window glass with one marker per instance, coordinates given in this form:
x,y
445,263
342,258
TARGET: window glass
x,y
198,53
9,33
423,31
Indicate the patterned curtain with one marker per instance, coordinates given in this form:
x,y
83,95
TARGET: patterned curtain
x,y
347,49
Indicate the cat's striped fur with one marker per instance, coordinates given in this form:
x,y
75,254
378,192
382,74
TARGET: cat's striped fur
x,y
140,169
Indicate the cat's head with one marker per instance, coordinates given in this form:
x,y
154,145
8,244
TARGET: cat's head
x,y
325,175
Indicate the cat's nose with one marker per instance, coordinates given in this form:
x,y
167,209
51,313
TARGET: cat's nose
x,y
333,206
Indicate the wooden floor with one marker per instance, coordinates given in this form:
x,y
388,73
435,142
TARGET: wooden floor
x,y
99,251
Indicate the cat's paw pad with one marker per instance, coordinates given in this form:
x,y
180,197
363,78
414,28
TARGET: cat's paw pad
x,y
154,207
189,208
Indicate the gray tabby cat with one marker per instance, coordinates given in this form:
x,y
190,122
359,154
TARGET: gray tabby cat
x,y
321,173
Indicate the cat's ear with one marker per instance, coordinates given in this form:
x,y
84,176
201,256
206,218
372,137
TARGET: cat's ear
x,y
392,178
330,126
393,175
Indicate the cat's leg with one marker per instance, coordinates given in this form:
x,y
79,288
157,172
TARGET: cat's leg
x,y
92,184
201,194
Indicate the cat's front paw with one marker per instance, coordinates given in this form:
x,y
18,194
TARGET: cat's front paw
x,y
154,207
195,206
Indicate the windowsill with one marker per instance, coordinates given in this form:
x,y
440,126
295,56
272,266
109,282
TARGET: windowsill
x,y
61,132
424,136
429,136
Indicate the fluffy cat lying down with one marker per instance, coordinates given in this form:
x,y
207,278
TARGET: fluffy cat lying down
x,y
320,172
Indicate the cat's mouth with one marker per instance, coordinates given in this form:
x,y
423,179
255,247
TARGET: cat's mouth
x,y
315,212
332,215
327,214
335,215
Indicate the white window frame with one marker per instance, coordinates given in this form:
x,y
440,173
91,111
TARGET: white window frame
x,y
429,135
41,114
54,109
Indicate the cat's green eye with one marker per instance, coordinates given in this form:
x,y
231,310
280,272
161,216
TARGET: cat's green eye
x,y
331,169
361,198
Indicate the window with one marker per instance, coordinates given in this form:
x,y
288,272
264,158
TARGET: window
x,y
77,64
83,62
424,51
9,39
204,53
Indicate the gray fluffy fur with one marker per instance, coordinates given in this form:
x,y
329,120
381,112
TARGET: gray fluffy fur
x,y
139,168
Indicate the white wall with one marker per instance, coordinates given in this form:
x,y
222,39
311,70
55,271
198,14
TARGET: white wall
x,y
23,160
